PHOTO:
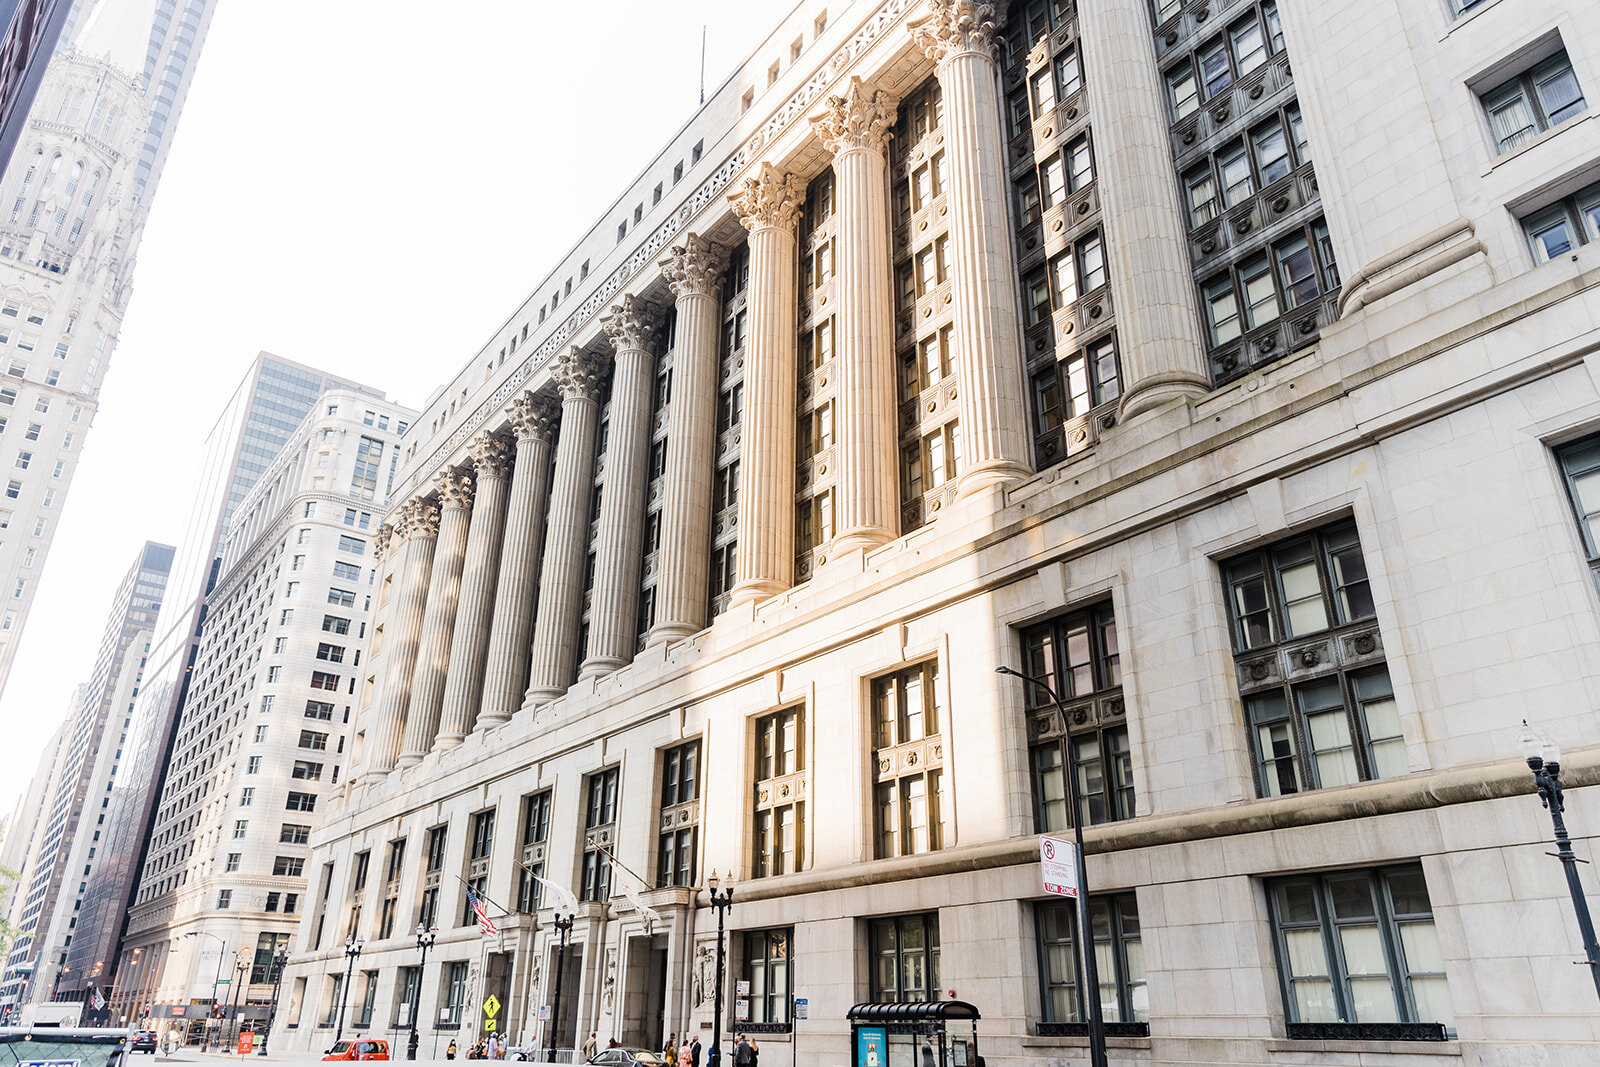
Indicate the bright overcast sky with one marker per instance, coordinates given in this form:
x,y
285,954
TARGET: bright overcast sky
x,y
367,186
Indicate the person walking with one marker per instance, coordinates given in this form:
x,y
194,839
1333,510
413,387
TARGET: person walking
x,y
742,1054
450,1052
591,1045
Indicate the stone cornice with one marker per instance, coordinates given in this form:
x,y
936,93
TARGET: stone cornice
x,y
861,118
694,268
631,324
956,27
770,199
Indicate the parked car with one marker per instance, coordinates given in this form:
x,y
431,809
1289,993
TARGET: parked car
x,y
143,1041
627,1057
359,1048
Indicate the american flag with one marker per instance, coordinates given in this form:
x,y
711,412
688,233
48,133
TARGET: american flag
x,y
485,923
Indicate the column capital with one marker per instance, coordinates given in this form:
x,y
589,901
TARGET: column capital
x,y
694,268
491,455
418,519
534,416
455,490
770,199
578,375
631,323
861,118
380,541
957,26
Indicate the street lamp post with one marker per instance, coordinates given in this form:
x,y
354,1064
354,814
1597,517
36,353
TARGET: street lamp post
x,y
424,943
720,902
279,958
1544,759
220,952
352,952
563,931
1091,975
236,998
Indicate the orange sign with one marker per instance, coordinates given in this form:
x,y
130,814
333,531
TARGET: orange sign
x,y
247,1041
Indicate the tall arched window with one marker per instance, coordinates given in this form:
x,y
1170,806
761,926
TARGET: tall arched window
x,y
77,105
72,183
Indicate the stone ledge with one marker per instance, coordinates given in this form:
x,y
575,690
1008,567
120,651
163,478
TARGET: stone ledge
x,y
1385,1048
1035,1041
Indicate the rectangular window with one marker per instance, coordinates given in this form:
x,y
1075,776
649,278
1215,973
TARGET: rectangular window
x,y
353,545
333,624
1555,231
301,802
1359,947
1118,956
342,598
294,834
600,810
349,572
1534,101
769,970
288,866
313,740
324,680
331,653
306,771
319,709
1338,721
909,798
680,815
905,958
535,834
779,813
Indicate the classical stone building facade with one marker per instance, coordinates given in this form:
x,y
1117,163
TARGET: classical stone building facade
x,y
1226,365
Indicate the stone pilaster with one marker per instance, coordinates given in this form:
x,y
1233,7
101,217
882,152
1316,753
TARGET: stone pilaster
x,y
988,337
438,624
694,271
415,532
855,128
768,205
470,643
619,558
554,655
533,420
1160,341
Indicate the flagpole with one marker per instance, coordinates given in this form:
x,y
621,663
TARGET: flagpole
x,y
702,64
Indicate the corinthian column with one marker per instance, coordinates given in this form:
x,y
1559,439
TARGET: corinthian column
x,y
444,589
533,420
470,642
415,531
768,205
855,128
1158,326
988,338
555,630
693,270
614,610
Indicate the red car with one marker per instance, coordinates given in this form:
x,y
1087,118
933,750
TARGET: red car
x,y
360,1048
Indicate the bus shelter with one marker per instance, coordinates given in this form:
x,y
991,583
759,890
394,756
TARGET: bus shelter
x,y
920,1033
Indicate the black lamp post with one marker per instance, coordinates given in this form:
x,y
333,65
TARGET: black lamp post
x,y
1544,759
424,943
279,959
721,902
1091,972
241,971
563,930
352,952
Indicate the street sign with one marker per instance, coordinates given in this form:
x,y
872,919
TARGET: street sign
x,y
741,989
444,1015
801,1006
488,1025
741,1009
224,981
491,1007
1058,866
405,1015
544,1013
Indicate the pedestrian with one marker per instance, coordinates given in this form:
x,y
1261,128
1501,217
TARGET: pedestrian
x,y
742,1056
755,1053
671,1053
591,1045
614,1043
928,1057
450,1053
694,1060
685,1055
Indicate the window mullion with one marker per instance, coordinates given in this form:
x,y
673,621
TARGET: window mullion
x,y
1339,974
1394,953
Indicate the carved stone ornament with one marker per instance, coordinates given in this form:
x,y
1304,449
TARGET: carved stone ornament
x,y
705,969
694,268
770,199
1364,644
380,541
861,118
455,490
630,323
418,519
957,26
491,455
578,375
534,416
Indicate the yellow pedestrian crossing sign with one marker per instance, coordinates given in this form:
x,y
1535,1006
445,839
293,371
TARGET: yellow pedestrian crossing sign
x,y
491,1007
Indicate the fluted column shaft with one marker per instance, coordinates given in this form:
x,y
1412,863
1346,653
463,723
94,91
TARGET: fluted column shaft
x,y
987,335
417,530
1162,348
533,420
470,643
554,655
855,129
614,609
682,586
438,623
768,205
